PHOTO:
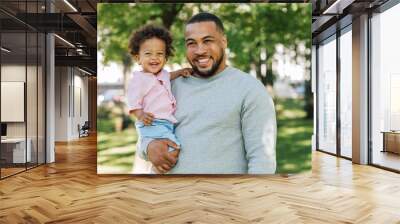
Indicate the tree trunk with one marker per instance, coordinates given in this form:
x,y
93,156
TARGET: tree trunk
x,y
308,100
169,14
127,64
308,96
258,70
269,78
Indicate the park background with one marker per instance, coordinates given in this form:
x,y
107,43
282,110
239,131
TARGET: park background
x,y
270,41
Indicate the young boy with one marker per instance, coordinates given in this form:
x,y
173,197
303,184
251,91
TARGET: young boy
x,y
149,92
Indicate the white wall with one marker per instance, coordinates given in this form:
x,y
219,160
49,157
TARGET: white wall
x,y
71,94
61,103
33,126
14,73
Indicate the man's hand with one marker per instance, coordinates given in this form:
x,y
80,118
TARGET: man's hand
x,y
162,160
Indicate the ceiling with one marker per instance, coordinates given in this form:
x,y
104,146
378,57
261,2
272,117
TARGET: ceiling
x,y
73,21
330,15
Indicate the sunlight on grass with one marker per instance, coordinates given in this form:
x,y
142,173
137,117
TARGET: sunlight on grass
x,y
293,150
289,166
116,151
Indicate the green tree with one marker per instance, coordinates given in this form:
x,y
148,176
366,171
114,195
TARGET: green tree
x,y
252,30
118,21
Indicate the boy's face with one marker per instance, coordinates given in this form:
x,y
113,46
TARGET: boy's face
x,y
152,55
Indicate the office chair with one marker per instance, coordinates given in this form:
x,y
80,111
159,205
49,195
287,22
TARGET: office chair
x,y
84,130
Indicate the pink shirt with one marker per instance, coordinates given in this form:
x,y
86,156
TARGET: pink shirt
x,y
152,93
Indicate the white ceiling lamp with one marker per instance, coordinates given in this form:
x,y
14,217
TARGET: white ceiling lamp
x,y
337,7
86,72
64,40
5,49
70,5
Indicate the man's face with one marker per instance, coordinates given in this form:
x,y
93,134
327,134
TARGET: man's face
x,y
205,48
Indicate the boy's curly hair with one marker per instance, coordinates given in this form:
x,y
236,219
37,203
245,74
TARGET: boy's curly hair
x,y
148,32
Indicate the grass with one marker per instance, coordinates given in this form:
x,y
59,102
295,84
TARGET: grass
x,y
293,149
116,150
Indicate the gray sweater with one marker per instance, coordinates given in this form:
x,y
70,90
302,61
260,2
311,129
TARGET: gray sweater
x,y
226,125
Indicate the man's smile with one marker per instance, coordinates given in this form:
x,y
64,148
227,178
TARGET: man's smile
x,y
204,61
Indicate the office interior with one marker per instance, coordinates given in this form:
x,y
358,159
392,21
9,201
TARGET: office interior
x,y
48,88
48,79
356,79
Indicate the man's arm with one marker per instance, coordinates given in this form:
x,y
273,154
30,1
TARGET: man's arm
x,y
259,131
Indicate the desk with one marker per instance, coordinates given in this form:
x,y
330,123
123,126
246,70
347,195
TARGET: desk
x,y
391,141
17,150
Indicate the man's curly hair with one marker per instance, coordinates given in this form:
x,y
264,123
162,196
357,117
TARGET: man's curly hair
x,y
147,32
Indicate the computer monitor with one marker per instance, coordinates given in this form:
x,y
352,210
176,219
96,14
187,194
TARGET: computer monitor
x,y
3,129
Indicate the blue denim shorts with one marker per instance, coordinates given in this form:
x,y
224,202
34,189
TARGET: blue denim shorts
x,y
159,129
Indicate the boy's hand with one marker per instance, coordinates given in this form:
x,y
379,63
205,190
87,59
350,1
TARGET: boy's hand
x,y
146,118
186,72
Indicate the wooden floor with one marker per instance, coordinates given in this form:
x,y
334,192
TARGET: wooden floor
x,y
10,171
70,191
387,159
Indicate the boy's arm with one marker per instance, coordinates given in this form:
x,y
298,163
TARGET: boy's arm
x,y
138,87
146,118
185,72
174,75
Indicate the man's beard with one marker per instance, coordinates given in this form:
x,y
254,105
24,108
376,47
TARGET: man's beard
x,y
214,67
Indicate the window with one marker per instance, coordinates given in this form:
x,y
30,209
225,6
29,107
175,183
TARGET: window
x,y
327,95
385,88
22,65
346,92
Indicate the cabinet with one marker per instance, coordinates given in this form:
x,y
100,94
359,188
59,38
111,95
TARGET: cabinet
x,y
13,150
391,141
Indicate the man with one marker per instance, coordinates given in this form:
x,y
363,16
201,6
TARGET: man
x,y
226,119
